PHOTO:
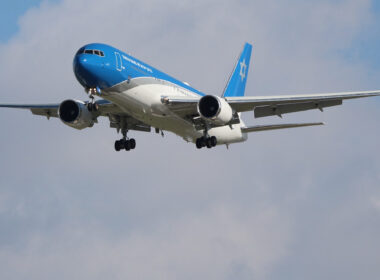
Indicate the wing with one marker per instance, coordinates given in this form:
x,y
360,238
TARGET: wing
x,y
264,106
118,118
51,110
48,110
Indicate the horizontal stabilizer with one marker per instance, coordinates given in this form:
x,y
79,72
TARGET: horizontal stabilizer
x,y
276,126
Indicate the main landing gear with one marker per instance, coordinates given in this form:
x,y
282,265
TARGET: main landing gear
x,y
204,141
125,143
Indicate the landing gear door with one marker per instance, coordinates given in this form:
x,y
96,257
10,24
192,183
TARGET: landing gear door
x,y
119,63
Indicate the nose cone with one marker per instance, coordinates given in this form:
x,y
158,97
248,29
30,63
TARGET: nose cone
x,y
86,70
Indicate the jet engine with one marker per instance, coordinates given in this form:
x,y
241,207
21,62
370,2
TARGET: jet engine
x,y
74,113
215,110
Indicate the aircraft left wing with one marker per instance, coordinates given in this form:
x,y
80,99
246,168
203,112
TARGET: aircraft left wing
x,y
264,106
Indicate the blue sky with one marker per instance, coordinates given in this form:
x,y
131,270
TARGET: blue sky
x,y
366,46
292,204
9,15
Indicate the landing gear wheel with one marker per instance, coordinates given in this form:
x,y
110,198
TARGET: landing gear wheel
x,y
203,141
92,106
124,143
117,146
95,107
213,141
198,143
127,145
132,143
208,143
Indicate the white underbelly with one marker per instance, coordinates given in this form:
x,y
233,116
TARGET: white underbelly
x,y
144,104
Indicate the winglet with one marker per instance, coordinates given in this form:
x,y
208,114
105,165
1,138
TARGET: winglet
x,y
236,83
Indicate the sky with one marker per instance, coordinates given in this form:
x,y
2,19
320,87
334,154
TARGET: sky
x,y
289,204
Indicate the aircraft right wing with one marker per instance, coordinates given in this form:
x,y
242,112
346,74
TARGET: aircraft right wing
x,y
51,110
117,117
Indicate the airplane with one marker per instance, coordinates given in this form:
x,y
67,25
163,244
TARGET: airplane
x,y
135,96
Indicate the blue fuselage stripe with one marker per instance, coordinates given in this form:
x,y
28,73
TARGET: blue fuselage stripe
x,y
114,68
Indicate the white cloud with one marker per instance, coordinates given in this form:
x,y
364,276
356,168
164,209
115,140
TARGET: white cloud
x,y
213,245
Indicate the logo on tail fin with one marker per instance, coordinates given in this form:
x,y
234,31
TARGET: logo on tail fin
x,y
243,70
238,79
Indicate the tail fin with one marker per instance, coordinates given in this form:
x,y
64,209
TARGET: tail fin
x,y
238,78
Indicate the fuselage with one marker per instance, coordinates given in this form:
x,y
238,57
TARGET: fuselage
x,y
137,88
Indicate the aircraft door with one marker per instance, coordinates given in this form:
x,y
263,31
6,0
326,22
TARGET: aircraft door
x,y
119,62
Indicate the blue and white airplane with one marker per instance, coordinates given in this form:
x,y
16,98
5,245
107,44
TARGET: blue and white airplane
x,y
136,96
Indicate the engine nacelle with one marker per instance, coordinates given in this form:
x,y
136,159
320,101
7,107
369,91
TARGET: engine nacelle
x,y
74,113
215,110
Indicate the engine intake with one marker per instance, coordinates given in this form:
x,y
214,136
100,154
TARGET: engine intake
x,y
75,114
215,110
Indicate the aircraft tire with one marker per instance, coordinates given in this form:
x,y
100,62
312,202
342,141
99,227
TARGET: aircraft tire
x,y
209,143
213,140
117,145
132,143
198,143
127,145
203,141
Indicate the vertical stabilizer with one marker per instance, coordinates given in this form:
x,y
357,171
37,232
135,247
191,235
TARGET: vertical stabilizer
x,y
238,79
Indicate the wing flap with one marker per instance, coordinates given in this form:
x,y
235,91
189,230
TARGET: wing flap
x,y
45,112
182,106
278,110
276,126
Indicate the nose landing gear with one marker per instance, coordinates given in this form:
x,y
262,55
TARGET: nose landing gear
x,y
91,105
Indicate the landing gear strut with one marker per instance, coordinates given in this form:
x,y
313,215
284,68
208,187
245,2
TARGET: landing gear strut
x,y
205,141
125,143
91,105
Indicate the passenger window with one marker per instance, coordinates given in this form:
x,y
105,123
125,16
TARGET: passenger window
x,y
101,53
89,51
97,52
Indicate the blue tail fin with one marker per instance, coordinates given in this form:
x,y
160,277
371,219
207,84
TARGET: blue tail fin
x,y
237,81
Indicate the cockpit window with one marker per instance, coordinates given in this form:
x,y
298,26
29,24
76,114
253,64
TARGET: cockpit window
x,y
95,52
80,51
